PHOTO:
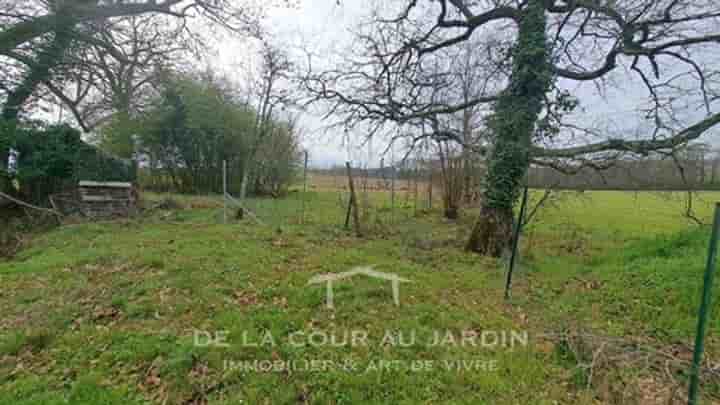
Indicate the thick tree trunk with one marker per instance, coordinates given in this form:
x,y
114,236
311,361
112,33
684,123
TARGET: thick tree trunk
x,y
492,232
452,212
507,168
513,125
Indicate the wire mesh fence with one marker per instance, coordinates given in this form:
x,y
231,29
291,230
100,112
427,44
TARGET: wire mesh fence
x,y
388,196
384,197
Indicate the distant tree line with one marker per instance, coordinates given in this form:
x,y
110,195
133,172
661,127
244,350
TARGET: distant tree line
x,y
695,168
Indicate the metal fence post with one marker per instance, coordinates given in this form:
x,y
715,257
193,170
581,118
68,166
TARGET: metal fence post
x,y
392,196
516,238
430,185
304,196
416,173
224,191
704,309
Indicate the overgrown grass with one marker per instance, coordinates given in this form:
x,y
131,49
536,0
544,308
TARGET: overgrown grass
x,y
108,312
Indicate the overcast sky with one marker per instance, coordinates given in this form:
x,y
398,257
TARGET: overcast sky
x,y
323,26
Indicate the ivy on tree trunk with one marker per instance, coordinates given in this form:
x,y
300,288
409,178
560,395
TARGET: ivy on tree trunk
x,y
512,126
40,71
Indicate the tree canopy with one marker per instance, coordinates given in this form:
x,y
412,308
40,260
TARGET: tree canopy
x,y
195,124
400,78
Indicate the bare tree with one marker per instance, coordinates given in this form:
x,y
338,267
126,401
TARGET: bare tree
x,y
536,52
451,168
25,23
269,92
38,36
469,73
117,73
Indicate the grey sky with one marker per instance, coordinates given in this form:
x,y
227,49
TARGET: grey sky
x,y
323,25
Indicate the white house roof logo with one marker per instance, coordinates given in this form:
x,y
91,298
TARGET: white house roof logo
x,y
330,278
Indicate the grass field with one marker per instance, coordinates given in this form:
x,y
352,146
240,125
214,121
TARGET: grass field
x,y
119,313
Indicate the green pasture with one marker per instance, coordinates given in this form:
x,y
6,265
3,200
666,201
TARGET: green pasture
x,y
109,313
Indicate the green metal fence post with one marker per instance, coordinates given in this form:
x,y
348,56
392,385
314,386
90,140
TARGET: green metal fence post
x,y
516,238
224,180
704,309
304,194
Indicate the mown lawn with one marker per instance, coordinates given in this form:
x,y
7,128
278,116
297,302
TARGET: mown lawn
x,y
109,313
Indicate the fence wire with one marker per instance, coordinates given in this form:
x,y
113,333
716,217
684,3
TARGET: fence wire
x,y
385,197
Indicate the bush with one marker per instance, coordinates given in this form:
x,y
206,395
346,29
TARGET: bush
x,y
51,159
